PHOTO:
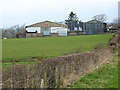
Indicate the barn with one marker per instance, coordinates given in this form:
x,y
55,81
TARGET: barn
x,y
75,28
46,28
86,28
94,27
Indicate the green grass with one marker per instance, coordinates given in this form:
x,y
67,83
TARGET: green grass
x,y
105,76
50,46
20,51
46,47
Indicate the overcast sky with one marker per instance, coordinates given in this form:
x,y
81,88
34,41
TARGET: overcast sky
x,y
13,12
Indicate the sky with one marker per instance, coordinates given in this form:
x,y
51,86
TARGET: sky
x,y
19,12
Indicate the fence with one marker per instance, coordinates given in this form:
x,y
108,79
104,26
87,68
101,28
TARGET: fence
x,y
55,72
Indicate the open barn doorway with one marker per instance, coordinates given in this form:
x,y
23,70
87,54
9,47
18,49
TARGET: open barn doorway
x,y
46,31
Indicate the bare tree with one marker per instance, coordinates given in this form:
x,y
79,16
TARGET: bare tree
x,y
101,17
12,31
20,29
4,32
115,23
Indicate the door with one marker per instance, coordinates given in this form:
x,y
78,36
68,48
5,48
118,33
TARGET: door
x,y
46,31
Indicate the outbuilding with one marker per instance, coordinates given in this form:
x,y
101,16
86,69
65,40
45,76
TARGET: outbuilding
x,y
46,28
94,27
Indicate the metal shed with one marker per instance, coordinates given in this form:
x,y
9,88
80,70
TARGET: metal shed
x,y
75,25
94,27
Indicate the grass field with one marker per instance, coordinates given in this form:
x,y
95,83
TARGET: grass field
x,y
50,46
103,77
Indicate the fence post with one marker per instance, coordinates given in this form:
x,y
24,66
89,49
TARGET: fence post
x,y
42,83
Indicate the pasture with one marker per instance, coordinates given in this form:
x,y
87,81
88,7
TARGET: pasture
x,y
47,47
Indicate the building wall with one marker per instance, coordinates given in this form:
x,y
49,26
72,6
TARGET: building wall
x,y
75,33
54,31
33,29
93,28
60,30
54,34
75,25
45,29
30,35
86,28
40,34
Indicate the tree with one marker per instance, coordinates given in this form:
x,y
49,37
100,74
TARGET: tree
x,y
12,31
72,17
19,29
101,17
114,23
3,32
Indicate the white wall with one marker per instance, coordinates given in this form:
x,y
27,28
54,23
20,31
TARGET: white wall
x,y
33,29
60,30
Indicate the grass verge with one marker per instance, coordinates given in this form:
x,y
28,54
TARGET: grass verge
x,y
105,76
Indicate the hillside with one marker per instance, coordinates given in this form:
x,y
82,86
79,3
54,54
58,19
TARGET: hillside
x,y
64,70
50,46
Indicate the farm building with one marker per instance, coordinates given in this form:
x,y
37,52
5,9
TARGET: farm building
x,y
94,27
75,25
72,28
75,28
86,28
46,28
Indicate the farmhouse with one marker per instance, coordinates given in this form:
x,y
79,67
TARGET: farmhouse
x,y
46,28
